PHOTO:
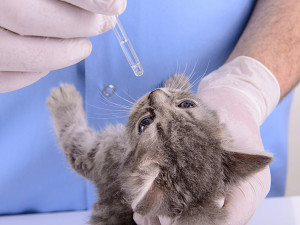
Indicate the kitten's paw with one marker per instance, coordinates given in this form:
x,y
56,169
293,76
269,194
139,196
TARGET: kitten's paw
x,y
62,97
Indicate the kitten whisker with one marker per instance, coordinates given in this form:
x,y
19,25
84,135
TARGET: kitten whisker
x,y
169,73
184,71
191,75
198,79
153,142
111,114
178,83
126,100
113,110
112,104
104,101
172,85
107,118
133,99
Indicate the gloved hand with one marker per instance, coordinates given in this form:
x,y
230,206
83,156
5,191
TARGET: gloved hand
x,y
243,92
39,36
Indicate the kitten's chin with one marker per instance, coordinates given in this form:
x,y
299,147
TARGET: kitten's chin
x,y
147,177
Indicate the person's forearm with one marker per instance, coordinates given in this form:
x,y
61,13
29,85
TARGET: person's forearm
x,y
272,36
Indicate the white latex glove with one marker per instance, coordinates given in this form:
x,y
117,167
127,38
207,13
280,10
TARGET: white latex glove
x,y
243,92
37,36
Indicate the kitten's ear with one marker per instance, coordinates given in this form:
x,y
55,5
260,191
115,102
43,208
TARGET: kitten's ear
x,y
178,81
240,165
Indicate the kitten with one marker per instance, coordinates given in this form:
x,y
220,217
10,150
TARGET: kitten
x,y
173,158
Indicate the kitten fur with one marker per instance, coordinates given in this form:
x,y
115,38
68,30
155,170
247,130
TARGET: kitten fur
x,y
173,158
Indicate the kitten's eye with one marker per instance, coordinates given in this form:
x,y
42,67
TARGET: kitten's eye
x,y
145,123
186,104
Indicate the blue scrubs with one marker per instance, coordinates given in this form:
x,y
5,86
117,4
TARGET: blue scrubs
x,y
169,36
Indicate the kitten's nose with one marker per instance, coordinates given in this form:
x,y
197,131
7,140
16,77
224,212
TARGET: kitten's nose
x,y
156,97
152,93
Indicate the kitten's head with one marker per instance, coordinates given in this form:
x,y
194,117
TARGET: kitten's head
x,y
176,156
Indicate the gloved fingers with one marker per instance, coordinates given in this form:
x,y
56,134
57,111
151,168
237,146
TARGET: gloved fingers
x,y
51,18
105,7
36,54
242,201
235,111
10,81
249,78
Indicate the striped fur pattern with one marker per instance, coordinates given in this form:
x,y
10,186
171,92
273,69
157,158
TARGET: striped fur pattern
x,y
173,158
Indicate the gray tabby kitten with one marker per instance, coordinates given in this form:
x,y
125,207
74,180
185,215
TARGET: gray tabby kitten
x,y
173,158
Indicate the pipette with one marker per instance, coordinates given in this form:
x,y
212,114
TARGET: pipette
x,y
128,49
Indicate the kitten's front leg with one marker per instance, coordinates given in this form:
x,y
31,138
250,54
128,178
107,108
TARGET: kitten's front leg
x,y
96,156
77,140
